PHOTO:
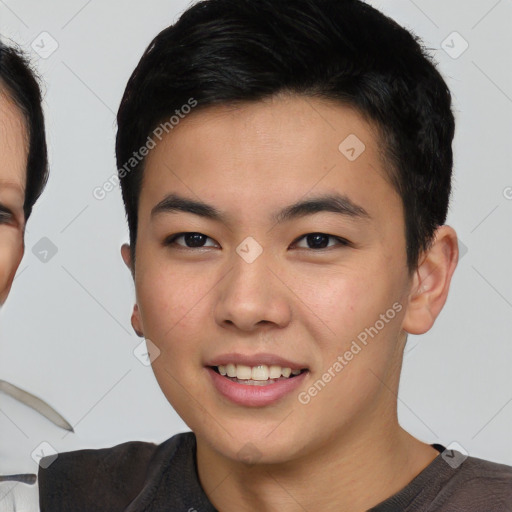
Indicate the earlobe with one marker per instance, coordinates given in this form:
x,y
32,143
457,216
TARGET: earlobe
x,y
136,322
431,282
126,255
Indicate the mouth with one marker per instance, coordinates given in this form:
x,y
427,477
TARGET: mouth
x,y
256,386
259,375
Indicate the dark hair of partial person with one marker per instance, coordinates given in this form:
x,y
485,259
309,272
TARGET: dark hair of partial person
x,y
19,82
223,52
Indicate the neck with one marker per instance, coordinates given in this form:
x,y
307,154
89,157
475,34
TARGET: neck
x,y
354,472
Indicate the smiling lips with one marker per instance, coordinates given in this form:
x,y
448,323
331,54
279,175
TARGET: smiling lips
x,y
259,373
255,385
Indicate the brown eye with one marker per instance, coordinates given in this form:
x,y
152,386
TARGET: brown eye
x,y
192,240
321,241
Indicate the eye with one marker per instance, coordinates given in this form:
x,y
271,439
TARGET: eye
x,y
5,215
192,240
321,241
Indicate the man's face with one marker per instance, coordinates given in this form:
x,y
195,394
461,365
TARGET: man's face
x,y
253,288
12,191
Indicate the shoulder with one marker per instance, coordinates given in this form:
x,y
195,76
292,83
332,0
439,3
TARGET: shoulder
x,y
477,469
104,479
477,485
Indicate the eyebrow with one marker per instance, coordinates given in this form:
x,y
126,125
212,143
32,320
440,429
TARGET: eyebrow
x,y
334,203
11,184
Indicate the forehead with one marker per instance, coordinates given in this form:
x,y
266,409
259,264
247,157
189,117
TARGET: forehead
x,y
251,155
13,145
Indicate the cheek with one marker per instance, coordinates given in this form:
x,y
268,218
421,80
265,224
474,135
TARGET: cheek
x,y
341,303
170,304
332,308
360,315
11,252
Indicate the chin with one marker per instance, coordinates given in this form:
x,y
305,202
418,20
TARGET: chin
x,y
253,447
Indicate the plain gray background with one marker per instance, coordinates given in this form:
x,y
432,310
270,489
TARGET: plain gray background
x,y
65,331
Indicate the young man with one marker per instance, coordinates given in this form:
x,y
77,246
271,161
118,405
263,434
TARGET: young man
x,y
286,171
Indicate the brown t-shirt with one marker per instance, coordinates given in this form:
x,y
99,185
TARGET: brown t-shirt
x,y
144,477
455,483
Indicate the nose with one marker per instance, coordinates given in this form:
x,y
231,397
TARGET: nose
x,y
252,295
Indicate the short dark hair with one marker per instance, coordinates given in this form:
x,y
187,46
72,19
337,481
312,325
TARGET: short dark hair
x,y
19,82
230,51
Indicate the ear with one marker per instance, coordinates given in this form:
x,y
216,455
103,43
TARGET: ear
x,y
126,255
431,282
136,319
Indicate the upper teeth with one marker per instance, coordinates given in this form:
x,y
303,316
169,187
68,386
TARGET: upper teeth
x,y
259,372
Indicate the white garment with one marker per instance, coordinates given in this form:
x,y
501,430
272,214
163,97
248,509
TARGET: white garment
x,y
22,433
22,430
19,497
